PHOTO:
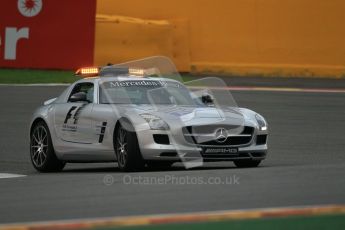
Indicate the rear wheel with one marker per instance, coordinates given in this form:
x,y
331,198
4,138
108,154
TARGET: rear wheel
x,y
247,163
42,152
127,148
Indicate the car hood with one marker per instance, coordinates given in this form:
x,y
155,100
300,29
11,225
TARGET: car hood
x,y
189,115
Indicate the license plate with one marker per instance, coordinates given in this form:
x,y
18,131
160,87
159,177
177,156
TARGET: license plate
x,y
230,151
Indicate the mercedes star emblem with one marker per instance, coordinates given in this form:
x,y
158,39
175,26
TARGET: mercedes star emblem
x,y
221,135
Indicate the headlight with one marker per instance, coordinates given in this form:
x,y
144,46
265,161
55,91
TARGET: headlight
x,y
155,122
261,122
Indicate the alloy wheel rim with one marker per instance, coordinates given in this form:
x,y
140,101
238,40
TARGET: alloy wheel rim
x,y
39,145
122,147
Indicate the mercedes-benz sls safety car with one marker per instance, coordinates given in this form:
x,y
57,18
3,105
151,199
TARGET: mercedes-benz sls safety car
x,y
141,114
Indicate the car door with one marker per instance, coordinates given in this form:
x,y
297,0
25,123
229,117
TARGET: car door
x,y
72,119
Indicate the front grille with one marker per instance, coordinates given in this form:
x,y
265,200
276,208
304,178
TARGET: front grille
x,y
206,135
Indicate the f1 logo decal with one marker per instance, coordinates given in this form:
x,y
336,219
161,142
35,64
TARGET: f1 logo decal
x,y
76,114
69,114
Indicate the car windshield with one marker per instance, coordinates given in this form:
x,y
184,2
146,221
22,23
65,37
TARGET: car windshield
x,y
145,91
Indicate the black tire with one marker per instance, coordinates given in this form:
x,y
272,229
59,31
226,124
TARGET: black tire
x,y
159,165
127,149
42,152
247,163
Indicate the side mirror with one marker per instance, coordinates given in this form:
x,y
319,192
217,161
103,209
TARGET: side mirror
x,y
207,99
81,96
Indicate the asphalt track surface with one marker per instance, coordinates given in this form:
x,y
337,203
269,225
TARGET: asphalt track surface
x,y
305,165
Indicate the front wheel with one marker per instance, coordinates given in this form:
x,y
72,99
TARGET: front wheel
x,y
42,152
247,163
127,148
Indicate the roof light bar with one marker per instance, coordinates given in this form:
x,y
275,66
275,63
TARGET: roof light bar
x,y
137,72
115,71
87,71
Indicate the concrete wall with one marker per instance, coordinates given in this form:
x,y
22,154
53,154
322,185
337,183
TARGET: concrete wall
x,y
270,37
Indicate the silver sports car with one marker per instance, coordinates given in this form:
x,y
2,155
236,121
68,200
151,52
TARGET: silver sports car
x,y
142,114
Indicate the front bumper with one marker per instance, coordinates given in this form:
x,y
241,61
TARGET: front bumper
x,y
179,149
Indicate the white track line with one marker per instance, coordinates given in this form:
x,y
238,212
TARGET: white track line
x,y
286,89
10,175
272,89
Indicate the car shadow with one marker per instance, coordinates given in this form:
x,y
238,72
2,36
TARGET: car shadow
x,y
176,167
101,168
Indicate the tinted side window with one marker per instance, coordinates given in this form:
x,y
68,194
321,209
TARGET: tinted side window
x,y
85,87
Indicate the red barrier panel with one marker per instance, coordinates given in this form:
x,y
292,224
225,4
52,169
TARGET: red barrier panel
x,y
46,33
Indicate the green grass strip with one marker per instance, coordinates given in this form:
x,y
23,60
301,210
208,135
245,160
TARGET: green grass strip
x,y
29,76
25,76
329,222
